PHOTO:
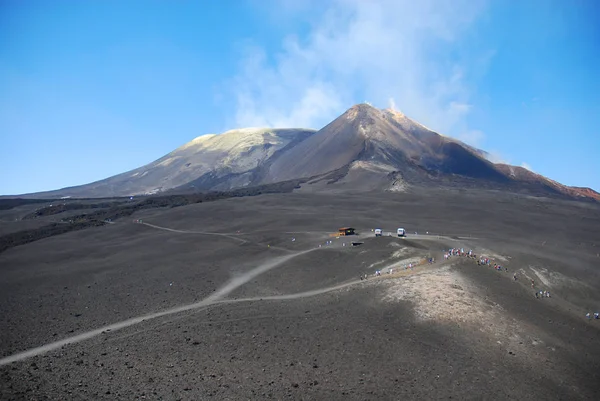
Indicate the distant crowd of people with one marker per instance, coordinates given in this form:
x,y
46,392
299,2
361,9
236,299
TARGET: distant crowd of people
x,y
458,252
391,270
485,261
542,294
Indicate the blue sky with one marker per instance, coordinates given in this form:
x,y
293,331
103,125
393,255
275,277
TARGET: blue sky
x,y
89,89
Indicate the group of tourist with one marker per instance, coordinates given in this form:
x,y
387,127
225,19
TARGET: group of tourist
x,y
457,252
484,261
378,272
391,271
542,294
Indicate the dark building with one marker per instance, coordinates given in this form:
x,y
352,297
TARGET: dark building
x,y
346,231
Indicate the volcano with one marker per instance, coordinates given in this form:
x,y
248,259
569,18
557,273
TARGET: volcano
x,y
381,138
364,149
368,139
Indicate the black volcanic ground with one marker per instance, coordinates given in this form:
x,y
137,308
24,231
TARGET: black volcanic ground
x,y
449,330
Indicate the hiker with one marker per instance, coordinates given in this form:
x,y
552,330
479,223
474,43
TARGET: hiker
x,y
596,315
537,295
515,276
588,315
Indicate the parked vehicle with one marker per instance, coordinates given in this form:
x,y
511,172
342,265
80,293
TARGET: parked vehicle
x,y
401,232
378,232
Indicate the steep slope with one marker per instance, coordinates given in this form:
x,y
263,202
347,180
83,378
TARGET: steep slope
x,y
369,149
231,153
365,149
523,175
382,138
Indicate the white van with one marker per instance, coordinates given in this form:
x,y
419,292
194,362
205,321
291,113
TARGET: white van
x,y
401,232
378,232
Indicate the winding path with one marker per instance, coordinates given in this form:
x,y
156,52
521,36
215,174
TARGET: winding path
x,y
226,235
214,299
233,236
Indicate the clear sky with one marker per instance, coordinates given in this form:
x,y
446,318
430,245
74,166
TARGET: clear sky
x,y
89,89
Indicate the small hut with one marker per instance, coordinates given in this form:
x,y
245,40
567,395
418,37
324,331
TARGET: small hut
x,y
346,231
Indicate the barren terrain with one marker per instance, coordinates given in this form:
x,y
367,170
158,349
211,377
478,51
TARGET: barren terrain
x,y
251,298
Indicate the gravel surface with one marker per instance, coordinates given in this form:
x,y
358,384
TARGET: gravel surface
x,y
268,309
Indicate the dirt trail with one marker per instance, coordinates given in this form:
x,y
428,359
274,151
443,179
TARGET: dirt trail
x,y
234,236
226,289
216,298
298,295
226,235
